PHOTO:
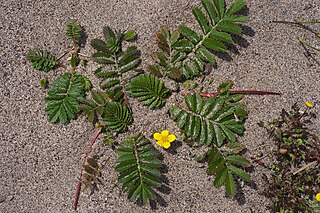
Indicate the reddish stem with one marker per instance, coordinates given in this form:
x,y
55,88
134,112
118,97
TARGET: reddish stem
x,y
245,92
84,161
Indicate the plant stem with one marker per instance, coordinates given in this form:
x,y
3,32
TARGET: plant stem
x,y
305,167
244,92
307,44
84,161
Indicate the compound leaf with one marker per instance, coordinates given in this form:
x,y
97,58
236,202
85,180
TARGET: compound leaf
x,y
42,60
73,30
138,166
116,117
149,89
64,97
220,165
206,121
94,108
217,27
166,60
115,62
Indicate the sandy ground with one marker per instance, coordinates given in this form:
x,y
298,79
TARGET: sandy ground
x,y
40,162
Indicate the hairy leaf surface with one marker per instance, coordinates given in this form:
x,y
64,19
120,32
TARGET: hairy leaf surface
x,y
212,120
118,65
187,51
64,97
149,89
42,60
220,165
138,166
116,116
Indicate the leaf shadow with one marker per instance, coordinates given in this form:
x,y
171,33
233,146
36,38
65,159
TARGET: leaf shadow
x,y
83,37
163,189
174,146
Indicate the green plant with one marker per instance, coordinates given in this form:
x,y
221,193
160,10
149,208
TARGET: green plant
x,y
185,52
295,175
214,122
94,108
116,117
116,61
209,119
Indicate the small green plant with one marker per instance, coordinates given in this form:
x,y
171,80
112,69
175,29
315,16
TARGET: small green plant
x,y
214,120
295,175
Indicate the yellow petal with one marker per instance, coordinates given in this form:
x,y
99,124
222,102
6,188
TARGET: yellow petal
x,y
318,197
166,145
160,143
165,133
157,136
308,104
171,138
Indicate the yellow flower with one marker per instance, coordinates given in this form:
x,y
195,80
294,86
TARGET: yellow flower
x,y
164,139
318,196
308,104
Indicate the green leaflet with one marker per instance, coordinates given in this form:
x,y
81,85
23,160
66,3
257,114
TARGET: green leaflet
x,y
197,49
220,165
73,30
64,97
213,120
42,60
94,108
149,89
130,35
138,166
116,117
115,62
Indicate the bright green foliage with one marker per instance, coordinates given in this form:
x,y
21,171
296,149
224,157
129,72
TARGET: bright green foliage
x,y
64,97
116,117
212,120
115,62
166,61
73,31
149,89
94,108
138,165
222,166
130,35
42,60
197,49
